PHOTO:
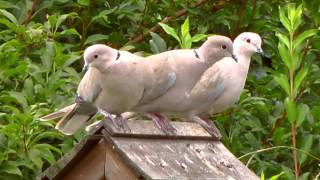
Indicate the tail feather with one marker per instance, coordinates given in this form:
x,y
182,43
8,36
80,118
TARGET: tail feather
x,y
70,126
58,114
76,118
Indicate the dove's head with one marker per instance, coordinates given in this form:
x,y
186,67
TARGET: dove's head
x,y
247,44
100,56
215,48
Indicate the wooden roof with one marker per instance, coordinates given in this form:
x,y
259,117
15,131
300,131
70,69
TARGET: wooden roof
x,y
147,153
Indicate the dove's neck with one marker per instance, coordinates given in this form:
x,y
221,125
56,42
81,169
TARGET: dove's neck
x,y
243,62
209,56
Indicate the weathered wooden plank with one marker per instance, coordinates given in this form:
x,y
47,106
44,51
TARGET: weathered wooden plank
x,y
146,129
65,163
91,165
115,168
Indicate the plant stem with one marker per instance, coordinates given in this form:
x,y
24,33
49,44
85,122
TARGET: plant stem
x,y
291,74
31,12
294,150
292,97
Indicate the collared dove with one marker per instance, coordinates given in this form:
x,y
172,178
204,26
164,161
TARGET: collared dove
x,y
115,82
221,85
188,65
112,84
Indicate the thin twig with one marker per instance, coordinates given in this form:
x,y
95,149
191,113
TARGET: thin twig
x,y
31,12
165,20
250,159
278,147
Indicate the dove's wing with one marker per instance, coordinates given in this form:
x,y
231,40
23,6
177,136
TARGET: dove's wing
x,y
160,79
209,87
88,91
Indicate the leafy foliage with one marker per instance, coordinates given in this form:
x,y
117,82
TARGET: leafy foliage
x,y
41,43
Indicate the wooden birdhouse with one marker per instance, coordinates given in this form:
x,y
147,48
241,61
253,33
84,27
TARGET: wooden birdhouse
x,y
147,153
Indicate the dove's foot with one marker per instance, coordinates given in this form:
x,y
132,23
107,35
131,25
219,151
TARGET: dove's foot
x,y
209,126
118,122
122,123
162,123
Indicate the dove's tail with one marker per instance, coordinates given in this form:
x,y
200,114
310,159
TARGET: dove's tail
x,y
76,118
58,114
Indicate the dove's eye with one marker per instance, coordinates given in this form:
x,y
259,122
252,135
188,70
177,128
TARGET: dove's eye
x,y
248,40
96,56
224,47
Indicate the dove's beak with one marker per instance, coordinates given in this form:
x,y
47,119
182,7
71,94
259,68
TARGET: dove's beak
x,y
260,51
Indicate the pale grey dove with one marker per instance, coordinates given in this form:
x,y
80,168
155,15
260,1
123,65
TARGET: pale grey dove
x,y
221,85
115,82
188,66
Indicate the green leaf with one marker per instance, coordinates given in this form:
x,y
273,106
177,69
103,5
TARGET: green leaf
x,y
52,20
169,30
198,37
45,135
95,38
157,44
28,87
262,176
47,57
291,109
299,78
252,140
10,169
83,2
296,19
6,5
284,20
186,42
185,28
302,110
103,15
20,98
8,15
303,36
296,59
306,146
283,81
63,17
284,39
9,24
275,177
70,31
284,54
291,11
35,156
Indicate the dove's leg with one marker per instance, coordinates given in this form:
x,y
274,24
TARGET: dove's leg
x,y
209,126
162,123
122,123
118,121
